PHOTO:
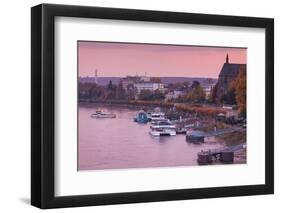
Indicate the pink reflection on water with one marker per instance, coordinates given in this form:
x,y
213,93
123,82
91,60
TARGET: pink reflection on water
x,y
121,143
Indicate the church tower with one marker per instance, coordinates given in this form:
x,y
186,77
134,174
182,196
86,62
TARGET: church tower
x,y
227,59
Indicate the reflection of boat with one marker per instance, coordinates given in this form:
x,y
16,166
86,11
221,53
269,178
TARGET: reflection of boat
x,y
101,114
163,127
141,117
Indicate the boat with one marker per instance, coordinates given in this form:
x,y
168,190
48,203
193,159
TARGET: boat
x,y
181,130
102,114
157,116
181,127
195,136
163,127
141,117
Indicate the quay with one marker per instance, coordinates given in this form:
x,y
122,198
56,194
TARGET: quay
x,y
199,136
225,155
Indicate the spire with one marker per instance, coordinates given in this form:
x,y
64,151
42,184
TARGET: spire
x,y
227,59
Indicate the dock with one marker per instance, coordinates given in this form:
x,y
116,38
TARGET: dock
x,y
225,155
199,136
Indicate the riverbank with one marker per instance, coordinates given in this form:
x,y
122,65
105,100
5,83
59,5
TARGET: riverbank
x,y
183,107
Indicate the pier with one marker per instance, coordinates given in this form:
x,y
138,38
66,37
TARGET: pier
x,y
225,155
199,136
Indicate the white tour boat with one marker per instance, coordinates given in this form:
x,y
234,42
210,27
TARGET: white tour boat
x,y
163,127
157,116
102,114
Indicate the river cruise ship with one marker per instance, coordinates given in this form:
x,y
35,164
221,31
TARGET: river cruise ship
x,y
102,114
161,128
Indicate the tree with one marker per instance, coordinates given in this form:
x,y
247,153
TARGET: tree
x,y
120,92
214,97
145,95
196,95
97,92
91,91
182,86
149,95
110,85
195,84
158,95
241,90
111,91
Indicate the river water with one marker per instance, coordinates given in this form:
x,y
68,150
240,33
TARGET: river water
x,y
119,143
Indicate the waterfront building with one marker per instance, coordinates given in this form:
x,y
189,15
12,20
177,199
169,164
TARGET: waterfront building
x,y
129,80
174,95
208,90
149,86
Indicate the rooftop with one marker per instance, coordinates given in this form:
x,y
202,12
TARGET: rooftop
x,y
230,69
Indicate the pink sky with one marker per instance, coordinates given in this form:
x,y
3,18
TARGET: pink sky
x,y
121,59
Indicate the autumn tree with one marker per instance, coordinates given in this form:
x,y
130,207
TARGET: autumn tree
x,y
145,94
214,97
120,92
97,92
149,95
111,91
241,90
196,95
90,91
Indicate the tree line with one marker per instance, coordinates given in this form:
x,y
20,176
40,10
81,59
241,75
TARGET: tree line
x,y
194,93
93,91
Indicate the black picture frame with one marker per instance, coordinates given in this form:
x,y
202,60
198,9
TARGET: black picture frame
x,y
43,105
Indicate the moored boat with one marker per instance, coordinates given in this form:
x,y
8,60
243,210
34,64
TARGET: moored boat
x,y
141,117
195,136
102,114
157,116
163,127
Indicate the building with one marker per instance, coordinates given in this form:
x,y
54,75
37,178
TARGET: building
x,y
131,80
174,95
228,74
208,90
149,86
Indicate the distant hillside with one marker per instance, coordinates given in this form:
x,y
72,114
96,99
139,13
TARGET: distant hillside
x,y
167,80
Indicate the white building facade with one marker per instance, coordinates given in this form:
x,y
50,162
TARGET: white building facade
x,y
149,86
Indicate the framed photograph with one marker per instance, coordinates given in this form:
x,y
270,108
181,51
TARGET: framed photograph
x,y
139,106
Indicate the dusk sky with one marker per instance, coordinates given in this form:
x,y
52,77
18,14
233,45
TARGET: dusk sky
x,y
122,59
